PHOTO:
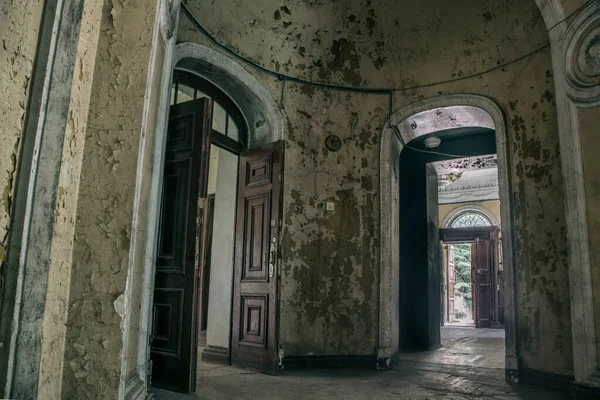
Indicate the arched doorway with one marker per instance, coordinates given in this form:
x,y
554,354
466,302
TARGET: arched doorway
x,y
253,127
470,112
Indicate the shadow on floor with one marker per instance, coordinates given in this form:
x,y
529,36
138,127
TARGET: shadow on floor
x,y
430,375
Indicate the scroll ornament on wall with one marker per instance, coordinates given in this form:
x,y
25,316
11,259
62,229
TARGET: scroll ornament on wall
x,y
582,61
168,18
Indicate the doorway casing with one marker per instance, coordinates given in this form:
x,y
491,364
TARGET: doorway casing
x,y
264,125
464,111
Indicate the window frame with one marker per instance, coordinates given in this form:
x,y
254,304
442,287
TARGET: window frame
x,y
217,138
469,211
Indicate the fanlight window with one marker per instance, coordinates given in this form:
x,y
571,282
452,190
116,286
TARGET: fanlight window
x,y
469,219
227,120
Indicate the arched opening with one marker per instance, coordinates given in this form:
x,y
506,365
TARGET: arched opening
x,y
469,126
208,279
193,286
469,219
454,215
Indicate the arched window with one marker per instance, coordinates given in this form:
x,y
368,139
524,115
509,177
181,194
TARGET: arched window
x,y
228,125
469,219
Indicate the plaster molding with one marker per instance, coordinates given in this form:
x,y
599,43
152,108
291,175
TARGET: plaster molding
x,y
263,116
444,118
585,357
582,57
473,185
466,208
169,10
143,349
470,196
22,336
465,164
389,208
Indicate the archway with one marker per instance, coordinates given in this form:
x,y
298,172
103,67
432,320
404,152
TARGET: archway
x,y
416,120
264,125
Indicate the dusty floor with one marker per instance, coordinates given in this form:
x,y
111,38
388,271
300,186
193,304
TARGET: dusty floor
x,y
468,366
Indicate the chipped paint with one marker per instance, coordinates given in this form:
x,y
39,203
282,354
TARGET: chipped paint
x,y
329,272
18,39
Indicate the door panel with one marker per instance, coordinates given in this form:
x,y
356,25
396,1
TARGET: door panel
x,y
451,283
254,326
483,283
173,349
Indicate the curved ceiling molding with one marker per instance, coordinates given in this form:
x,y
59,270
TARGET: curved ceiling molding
x,y
443,119
265,122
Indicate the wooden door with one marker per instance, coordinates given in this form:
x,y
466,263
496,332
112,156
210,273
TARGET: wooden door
x,y
483,278
255,296
451,283
173,349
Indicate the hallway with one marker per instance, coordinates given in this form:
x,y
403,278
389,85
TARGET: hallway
x,y
476,357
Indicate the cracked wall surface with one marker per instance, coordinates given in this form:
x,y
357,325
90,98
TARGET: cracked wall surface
x,y
60,269
102,230
589,120
19,31
330,270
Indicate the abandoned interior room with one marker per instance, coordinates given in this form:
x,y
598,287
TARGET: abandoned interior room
x,y
261,199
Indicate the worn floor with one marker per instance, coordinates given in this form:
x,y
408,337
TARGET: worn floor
x,y
468,366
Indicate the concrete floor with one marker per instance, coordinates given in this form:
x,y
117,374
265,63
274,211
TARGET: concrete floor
x,y
465,346
468,366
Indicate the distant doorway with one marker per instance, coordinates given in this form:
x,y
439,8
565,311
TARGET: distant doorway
x,y
472,291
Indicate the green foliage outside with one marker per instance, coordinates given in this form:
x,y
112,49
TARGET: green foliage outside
x,y
462,267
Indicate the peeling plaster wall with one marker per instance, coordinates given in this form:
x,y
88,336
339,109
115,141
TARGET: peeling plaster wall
x,y
329,293
589,121
143,212
19,30
94,337
59,272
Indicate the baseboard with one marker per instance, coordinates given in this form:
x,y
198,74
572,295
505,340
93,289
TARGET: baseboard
x,y
358,362
560,382
584,392
135,388
589,388
216,355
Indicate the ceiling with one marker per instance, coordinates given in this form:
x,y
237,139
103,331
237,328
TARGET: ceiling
x,y
467,179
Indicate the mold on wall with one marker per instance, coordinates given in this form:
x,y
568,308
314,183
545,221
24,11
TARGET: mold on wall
x,y
329,275
19,30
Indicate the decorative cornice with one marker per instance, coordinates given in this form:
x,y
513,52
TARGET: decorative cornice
x,y
465,164
468,186
582,57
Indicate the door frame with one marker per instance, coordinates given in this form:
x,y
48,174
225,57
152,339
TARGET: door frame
x,y
470,235
441,112
255,103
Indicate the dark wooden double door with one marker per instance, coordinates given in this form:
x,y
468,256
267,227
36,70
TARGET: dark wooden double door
x,y
181,247
485,274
